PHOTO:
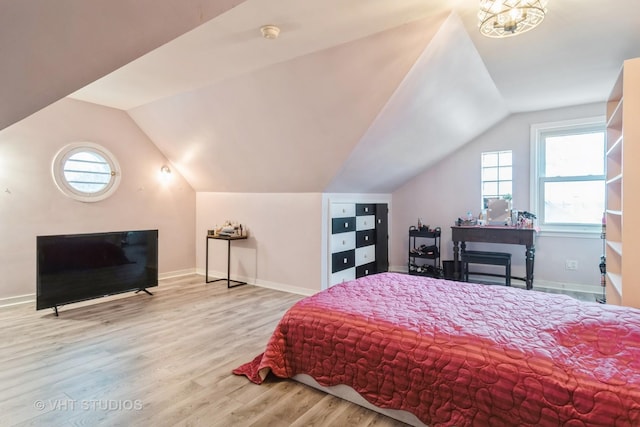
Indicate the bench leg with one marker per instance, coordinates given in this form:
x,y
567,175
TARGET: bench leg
x,y
508,273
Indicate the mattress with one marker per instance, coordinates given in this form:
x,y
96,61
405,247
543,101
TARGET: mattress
x,y
461,354
347,393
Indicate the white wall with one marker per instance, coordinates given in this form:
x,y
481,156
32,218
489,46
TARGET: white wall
x,y
31,204
284,248
448,190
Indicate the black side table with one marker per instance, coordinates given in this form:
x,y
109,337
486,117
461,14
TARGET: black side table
x,y
228,279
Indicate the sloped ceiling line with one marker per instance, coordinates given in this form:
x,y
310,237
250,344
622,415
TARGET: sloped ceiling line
x,y
51,49
446,99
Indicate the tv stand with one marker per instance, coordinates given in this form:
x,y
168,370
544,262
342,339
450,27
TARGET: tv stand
x,y
55,307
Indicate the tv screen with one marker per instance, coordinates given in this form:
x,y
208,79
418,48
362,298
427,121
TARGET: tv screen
x,y
77,267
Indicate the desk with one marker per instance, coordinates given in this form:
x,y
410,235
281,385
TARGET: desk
x,y
490,234
228,279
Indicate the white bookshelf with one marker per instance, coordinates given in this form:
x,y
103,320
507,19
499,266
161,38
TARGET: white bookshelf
x,y
623,187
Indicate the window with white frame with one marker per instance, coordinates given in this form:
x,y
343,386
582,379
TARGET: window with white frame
x,y
568,174
86,172
497,175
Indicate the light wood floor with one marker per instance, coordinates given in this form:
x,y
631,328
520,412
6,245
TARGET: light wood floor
x,y
162,360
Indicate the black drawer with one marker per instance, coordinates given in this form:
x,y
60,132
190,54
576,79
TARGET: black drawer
x,y
365,209
365,238
366,269
342,225
343,260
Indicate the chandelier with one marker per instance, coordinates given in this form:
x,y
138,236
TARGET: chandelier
x,y
506,18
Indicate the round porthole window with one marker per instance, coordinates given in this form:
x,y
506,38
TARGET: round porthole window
x,y
86,172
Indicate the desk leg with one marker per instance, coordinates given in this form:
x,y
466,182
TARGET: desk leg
x,y
464,274
206,264
530,258
456,261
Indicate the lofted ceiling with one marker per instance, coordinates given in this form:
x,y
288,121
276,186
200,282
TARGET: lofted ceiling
x,y
355,95
51,48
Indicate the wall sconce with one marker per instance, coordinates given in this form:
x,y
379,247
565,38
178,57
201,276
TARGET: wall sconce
x,y
165,173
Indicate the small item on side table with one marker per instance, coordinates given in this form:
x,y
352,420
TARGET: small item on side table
x,y
230,229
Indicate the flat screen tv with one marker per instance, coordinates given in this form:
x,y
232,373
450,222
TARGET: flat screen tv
x,y
78,267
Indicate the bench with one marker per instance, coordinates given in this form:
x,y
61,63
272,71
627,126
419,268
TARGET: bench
x,y
487,258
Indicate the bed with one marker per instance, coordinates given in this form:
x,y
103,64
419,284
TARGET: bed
x,y
463,354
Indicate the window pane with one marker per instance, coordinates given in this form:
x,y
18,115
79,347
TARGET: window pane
x,y
580,202
87,172
505,174
505,158
574,155
489,159
489,189
505,188
490,174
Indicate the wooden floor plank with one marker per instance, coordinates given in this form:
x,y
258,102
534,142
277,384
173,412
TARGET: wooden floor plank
x,y
160,360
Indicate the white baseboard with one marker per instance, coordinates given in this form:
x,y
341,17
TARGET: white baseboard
x,y
20,299
571,287
30,298
262,283
542,284
285,288
177,273
399,268
537,283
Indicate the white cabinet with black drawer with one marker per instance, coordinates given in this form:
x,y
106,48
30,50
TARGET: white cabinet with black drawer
x,y
359,240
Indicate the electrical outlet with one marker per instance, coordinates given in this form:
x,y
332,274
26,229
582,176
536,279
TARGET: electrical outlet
x,y
571,264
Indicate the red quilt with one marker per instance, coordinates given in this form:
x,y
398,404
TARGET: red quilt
x,y
464,354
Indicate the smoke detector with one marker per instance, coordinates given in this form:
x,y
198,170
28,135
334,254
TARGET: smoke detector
x,y
270,31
